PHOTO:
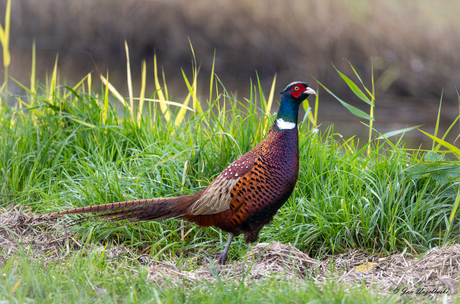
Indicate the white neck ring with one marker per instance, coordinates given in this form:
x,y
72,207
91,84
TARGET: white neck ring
x,y
285,125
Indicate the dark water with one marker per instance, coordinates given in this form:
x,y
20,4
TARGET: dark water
x,y
394,113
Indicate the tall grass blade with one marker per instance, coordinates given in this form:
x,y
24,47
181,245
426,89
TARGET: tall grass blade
x,y
165,85
372,106
211,81
270,97
263,102
106,101
21,85
196,103
451,218
82,122
306,105
315,123
448,131
355,111
354,87
161,96
113,91
181,115
142,93
360,80
372,79
5,41
53,85
458,95
192,91
75,87
454,209
396,132
436,128
129,79
90,81
32,72
449,146
167,102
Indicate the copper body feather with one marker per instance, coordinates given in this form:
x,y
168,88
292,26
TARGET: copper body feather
x,y
261,181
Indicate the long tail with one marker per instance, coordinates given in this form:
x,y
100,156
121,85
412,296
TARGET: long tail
x,y
139,210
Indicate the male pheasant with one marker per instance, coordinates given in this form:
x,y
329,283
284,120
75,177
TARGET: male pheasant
x,y
244,197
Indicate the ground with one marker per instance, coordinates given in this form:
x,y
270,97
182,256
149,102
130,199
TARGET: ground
x,y
433,274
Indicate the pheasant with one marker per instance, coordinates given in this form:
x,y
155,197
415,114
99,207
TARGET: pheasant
x,y
244,197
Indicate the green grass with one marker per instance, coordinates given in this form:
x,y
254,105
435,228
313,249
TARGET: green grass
x,y
52,160
63,147
95,279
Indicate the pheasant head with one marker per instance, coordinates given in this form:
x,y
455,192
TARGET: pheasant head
x,y
292,97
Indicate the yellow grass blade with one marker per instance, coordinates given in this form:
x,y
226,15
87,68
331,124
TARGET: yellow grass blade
x,y
6,36
22,86
161,96
130,82
306,106
53,80
32,73
165,86
7,32
75,87
444,143
454,210
2,35
270,97
90,80
82,122
23,102
166,102
113,90
13,290
347,143
196,103
211,81
437,124
316,107
424,150
180,116
106,100
5,40
142,94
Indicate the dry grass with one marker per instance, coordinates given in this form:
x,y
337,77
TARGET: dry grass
x,y
265,260
39,242
436,270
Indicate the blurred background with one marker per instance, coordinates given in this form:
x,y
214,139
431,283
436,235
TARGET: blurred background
x,y
414,46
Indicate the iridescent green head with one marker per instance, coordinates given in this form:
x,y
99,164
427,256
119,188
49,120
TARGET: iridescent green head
x,y
293,95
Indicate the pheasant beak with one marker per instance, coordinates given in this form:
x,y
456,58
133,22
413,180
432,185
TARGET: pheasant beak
x,y
309,91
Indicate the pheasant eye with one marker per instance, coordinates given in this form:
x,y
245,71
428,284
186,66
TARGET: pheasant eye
x,y
296,88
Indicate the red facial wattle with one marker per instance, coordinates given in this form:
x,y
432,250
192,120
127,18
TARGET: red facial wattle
x,y
297,90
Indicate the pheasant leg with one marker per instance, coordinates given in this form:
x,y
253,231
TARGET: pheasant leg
x,y
223,254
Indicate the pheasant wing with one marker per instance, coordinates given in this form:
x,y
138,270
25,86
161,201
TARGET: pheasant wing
x,y
217,196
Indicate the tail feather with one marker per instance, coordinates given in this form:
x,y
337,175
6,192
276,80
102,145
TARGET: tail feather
x,y
138,210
